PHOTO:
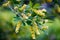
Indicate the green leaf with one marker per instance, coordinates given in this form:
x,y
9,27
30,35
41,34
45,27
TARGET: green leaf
x,y
30,3
37,5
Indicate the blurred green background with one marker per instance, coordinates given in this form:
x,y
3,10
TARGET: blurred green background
x,y
7,28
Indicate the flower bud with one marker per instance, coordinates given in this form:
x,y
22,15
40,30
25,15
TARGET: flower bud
x,y
23,7
28,14
44,27
34,10
58,9
33,36
36,29
39,12
6,4
15,7
32,33
46,21
42,14
43,10
18,26
24,16
37,32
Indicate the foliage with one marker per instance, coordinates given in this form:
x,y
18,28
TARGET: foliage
x,y
30,17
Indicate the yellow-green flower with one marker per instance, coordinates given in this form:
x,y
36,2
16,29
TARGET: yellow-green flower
x,y
36,28
46,20
23,7
58,9
38,12
43,10
15,7
33,36
37,32
18,26
24,16
28,14
6,4
32,33
44,27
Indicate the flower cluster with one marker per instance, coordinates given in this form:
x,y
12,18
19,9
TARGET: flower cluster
x,y
30,15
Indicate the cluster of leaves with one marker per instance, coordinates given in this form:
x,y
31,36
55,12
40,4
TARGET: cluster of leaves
x,y
28,14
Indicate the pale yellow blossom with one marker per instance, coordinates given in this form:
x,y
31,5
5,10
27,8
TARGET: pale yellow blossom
x,y
18,26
